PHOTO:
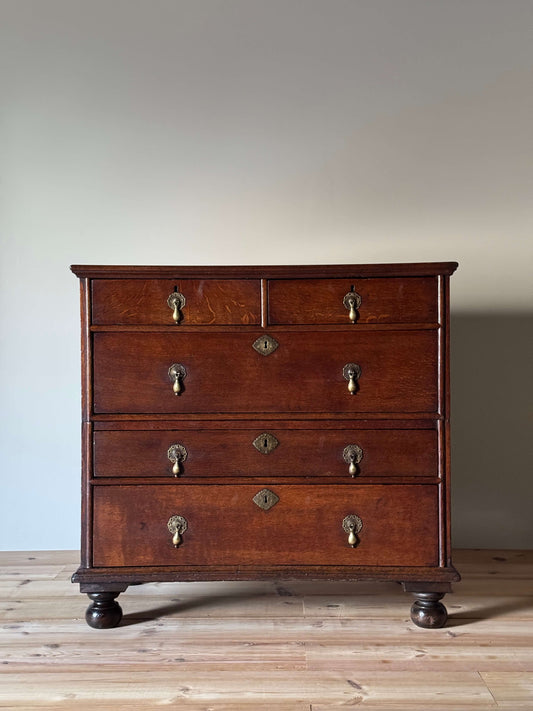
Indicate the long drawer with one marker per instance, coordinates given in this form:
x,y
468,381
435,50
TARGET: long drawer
x,y
226,451
391,525
224,373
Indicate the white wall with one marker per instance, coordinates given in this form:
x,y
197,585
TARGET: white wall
x,y
272,131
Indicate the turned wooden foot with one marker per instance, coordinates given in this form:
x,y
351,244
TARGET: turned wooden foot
x,y
427,611
104,611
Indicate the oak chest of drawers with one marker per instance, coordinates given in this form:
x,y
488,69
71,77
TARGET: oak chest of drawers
x,y
265,422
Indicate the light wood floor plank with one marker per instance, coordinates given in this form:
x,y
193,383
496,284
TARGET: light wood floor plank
x,y
511,690
276,688
267,646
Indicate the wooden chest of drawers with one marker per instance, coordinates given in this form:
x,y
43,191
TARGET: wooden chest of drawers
x,y
265,422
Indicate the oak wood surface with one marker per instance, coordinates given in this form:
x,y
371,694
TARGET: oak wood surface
x,y
288,646
317,301
225,374
226,527
208,301
229,451
308,271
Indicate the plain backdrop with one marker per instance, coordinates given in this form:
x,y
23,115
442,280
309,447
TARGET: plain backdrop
x,y
266,131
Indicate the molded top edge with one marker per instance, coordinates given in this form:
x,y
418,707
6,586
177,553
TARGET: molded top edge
x,y
265,272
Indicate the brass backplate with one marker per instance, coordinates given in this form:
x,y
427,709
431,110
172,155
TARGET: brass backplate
x,y
177,453
177,524
265,345
352,296
265,499
265,443
176,299
352,453
352,523
351,370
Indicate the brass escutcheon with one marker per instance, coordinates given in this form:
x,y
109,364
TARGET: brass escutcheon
x,y
265,499
265,443
265,345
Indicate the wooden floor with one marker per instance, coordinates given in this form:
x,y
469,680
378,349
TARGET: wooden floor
x,y
296,646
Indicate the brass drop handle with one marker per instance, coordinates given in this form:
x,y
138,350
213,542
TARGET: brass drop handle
x,y
177,455
177,373
177,525
352,455
352,301
352,373
176,302
352,524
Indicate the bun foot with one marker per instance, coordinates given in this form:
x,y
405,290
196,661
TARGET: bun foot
x,y
104,612
427,611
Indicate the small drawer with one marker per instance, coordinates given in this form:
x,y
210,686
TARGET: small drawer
x,y
266,451
204,302
377,300
305,525
224,373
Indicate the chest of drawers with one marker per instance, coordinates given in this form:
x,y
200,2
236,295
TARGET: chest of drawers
x,y
265,422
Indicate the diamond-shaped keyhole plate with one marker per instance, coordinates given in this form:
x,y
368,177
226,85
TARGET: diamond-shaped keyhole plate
x,y
265,499
265,443
265,345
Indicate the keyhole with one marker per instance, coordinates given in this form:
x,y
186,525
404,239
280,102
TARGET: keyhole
x,y
265,345
265,443
265,500
352,288
176,289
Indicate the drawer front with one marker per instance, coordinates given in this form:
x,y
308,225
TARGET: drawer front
x,y
145,301
400,526
225,374
321,301
229,452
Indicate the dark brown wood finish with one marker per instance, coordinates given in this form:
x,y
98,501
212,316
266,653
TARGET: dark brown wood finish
x,y
226,527
229,452
207,301
231,394
225,374
382,300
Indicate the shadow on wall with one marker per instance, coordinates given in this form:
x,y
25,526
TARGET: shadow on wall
x,y
492,433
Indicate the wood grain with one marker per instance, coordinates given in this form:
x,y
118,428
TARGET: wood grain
x,y
291,646
226,375
144,301
382,301
226,527
312,451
